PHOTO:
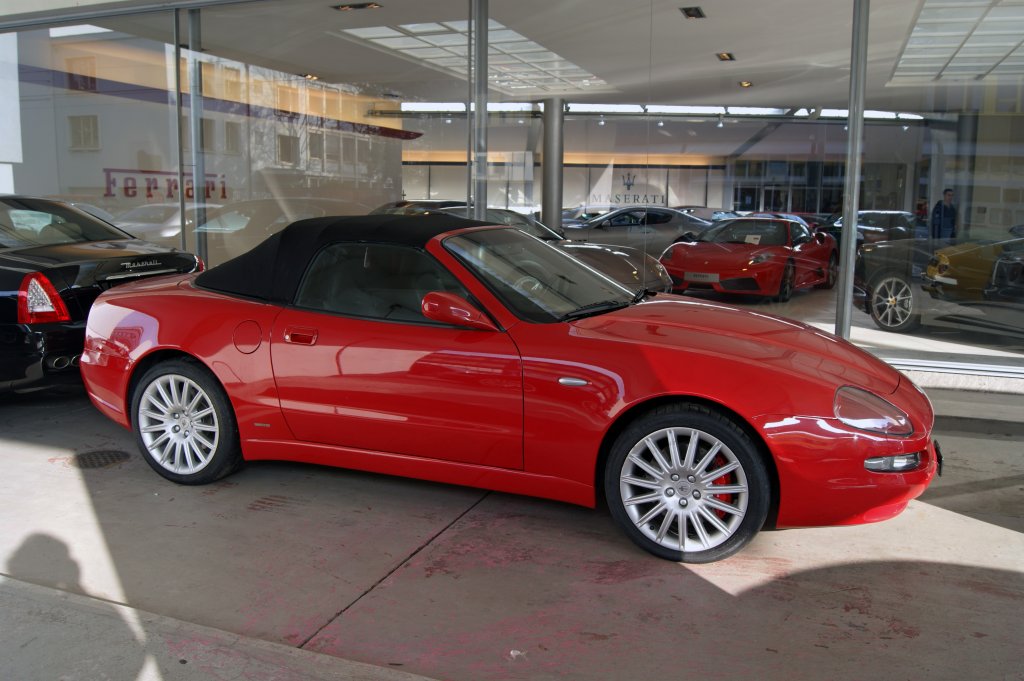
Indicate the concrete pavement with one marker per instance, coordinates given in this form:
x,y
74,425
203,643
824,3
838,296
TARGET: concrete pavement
x,y
285,571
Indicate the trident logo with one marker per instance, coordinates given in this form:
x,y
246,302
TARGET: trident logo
x,y
628,180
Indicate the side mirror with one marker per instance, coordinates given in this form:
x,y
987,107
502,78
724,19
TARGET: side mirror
x,y
820,237
687,238
603,224
449,308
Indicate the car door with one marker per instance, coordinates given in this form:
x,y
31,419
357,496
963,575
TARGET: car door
x,y
358,366
809,253
623,228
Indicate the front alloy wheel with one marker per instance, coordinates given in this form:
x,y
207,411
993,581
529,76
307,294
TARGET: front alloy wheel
x,y
893,307
786,284
687,484
184,424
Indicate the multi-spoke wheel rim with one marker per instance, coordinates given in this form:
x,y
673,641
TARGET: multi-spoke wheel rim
x,y
178,424
893,302
833,271
684,489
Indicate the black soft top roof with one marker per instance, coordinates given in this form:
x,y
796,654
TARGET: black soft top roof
x,y
272,270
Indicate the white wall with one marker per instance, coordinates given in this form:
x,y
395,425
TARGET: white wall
x,y
10,100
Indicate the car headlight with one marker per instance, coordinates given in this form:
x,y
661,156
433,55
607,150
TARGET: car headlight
x,y
760,258
866,411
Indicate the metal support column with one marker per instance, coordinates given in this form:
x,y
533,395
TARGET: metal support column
x,y
195,126
966,152
553,145
854,145
479,104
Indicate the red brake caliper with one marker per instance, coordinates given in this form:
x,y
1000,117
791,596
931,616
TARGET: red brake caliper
x,y
727,479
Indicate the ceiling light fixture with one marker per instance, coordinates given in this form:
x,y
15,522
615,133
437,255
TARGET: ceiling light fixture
x,y
358,5
693,12
721,122
601,121
725,56
745,83
309,76
661,124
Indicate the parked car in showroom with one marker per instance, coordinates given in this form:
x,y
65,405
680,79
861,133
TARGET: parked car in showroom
x,y
577,215
877,225
460,352
159,223
650,229
626,265
907,283
754,256
706,213
234,228
54,261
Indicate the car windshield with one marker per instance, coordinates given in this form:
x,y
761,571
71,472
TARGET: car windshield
x,y
753,232
538,282
25,223
153,214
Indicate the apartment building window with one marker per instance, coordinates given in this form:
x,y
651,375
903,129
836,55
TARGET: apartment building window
x,y
287,99
332,148
233,84
85,132
81,72
208,139
232,137
316,146
288,150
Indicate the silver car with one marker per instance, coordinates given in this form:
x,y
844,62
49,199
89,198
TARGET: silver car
x,y
650,229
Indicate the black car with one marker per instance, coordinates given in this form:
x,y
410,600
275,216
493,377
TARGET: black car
x,y
877,225
54,261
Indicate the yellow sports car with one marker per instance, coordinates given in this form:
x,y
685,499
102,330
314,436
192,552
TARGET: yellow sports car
x,y
964,271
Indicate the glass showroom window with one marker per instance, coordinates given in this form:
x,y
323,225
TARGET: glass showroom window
x,y
664,124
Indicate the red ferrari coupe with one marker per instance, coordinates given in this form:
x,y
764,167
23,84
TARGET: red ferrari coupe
x,y
754,256
450,350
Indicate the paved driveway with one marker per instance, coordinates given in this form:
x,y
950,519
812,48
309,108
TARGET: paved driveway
x,y
460,584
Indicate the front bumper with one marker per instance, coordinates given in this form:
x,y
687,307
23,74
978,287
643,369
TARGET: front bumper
x,y
750,281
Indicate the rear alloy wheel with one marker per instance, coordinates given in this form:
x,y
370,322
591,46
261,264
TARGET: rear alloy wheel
x,y
786,284
687,484
184,424
893,307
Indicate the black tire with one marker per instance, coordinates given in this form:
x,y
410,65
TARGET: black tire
x,y
832,273
894,305
786,284
184,424
664,505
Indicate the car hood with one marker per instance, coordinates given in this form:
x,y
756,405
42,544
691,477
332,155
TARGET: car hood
x,y
716,253
723,331
972,249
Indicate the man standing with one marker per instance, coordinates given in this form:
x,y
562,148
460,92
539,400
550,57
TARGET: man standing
x,y
944,217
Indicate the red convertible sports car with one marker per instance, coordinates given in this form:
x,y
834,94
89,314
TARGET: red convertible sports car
x,y
754,256
450,350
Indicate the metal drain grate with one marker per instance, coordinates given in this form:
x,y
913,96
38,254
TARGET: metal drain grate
x,y
103,458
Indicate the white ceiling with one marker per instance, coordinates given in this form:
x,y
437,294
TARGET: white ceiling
x,y
796,52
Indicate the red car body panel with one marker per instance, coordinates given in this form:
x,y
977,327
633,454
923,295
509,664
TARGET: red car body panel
x,y
733,262
488,408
